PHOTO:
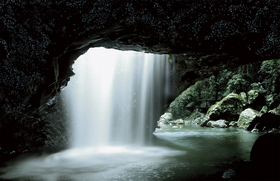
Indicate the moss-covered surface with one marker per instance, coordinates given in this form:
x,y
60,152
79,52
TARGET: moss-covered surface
x,y
184,105
228,108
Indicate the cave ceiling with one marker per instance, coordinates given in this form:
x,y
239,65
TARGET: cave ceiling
x,y
40,40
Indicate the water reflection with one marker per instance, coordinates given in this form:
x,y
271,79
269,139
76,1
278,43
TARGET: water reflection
x,y
183,153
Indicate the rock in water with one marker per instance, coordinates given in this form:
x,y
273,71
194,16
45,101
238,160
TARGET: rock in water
x,y
218,124
246,117
243,98
164,119
228,109
265,122
184,104
265,155
256,100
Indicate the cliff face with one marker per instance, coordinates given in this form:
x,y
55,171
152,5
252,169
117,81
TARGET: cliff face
x,y
39,41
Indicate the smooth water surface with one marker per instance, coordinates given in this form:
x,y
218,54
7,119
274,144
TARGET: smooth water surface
x,y
185,152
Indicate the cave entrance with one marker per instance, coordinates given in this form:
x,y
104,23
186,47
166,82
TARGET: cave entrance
x,y
116,96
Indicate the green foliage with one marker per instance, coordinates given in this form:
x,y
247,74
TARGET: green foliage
x,y
237,84
169,58
270,75
263,76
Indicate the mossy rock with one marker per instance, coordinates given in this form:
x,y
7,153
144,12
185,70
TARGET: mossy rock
x,y
233,124
196,117
276,110
246,117
228,108
185,103
243,98
266,122
256,99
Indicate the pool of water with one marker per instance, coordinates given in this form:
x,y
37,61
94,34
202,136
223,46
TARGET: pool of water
x,y
184,152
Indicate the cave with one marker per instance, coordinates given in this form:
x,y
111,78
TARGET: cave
x,y
40,41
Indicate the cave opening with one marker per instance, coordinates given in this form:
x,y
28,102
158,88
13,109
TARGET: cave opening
x,y
116,96
113,102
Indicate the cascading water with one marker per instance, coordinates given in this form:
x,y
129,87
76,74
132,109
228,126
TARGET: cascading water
x,y
115,96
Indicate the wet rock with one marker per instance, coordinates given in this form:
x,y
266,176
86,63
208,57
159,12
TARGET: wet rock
x,y
233,124
255,131
276,110
196,117
264,161
265,156
246,117
274,102
243,98
165,118
184,104
198,120
228,109
217,124
179,121
265,122
256,100
264,109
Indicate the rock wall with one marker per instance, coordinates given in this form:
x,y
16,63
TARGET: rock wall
x,y
39,41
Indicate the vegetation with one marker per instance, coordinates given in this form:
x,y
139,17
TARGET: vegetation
x,y
255,85
262,76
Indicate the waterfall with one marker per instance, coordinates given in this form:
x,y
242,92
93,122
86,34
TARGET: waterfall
x,y
115,96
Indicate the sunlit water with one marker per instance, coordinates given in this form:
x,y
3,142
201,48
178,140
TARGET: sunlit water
x,y
183,153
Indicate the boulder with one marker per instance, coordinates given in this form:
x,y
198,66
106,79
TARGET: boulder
x,y
179,121
228,109
243,98
198,120
264,109
184,104
218,124
264,164
274,101
265,122
246,117
256,100
276,110
165,118
233,124
196,117
255,130
265,156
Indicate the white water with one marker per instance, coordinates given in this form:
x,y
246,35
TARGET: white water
x,y
115,96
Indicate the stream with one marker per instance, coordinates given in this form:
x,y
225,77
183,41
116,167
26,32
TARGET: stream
x,y
183,152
